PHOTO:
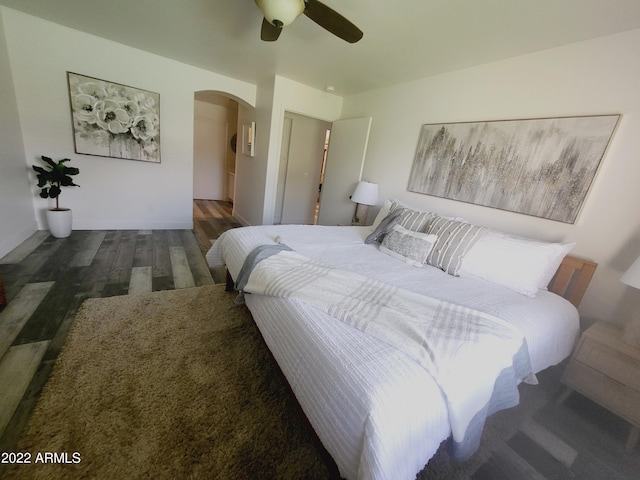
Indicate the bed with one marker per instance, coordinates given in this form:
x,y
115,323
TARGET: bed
x,y
378,413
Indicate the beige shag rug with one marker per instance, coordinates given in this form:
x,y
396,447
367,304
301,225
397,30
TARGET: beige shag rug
x,y
179,385
167,385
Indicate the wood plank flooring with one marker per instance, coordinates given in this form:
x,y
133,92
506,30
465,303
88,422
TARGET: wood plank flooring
x,y
211,219
46,279
577,439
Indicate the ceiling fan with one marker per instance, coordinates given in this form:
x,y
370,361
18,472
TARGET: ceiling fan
x,y
280,13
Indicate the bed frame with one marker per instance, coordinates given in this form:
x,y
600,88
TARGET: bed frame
x,y
572,279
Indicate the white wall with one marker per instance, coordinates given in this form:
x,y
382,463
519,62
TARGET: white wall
x,y
250,175
17,221
600,76
114,193
293,97
249,189
257,177
210,150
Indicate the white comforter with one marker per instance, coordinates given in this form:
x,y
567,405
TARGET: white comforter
x,y
377,412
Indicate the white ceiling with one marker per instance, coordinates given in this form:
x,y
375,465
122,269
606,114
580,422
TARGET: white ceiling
x,y
403,39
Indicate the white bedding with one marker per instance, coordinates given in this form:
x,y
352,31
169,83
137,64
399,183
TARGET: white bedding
x,y
378,413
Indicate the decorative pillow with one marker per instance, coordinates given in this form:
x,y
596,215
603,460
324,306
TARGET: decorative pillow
x,y
454,241
407,245
521,264
412,219
384,227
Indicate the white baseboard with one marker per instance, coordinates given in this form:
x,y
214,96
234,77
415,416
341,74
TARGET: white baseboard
x,y
241,220
11,241
132,225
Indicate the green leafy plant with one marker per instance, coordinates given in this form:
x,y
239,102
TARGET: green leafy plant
x,y
53,177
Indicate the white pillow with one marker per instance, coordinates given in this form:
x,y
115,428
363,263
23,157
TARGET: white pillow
x,y
384,211
409,246
521,264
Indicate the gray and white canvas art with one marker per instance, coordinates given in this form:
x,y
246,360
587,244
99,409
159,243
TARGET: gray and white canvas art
x,y
114,120
539,167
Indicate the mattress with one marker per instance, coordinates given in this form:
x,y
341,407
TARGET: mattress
x,y
379,414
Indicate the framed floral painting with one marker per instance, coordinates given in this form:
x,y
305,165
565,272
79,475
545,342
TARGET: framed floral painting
x,y
114,120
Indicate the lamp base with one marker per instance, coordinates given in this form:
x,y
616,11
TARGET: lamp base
x,y
360,217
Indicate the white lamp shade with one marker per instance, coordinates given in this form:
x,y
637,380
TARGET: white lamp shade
x,y
284,11
365,193
632,276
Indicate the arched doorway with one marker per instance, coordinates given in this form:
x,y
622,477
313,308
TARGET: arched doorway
x,y
214,163
214,158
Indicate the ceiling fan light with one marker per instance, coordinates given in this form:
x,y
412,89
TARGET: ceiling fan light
x,y
281,12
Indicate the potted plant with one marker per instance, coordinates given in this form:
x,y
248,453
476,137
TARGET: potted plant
x,y
51,179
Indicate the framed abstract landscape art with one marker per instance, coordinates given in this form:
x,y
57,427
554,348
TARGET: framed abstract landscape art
x,y
541,167
114,120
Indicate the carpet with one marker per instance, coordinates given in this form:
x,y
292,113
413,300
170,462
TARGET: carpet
x,y
179,385
167,385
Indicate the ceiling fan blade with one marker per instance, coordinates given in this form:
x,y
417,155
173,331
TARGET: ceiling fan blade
x,y
332,21
269,33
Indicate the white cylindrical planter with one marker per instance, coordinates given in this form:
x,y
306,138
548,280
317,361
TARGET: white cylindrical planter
x,y
59,221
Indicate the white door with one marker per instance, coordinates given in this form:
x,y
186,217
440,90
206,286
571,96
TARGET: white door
x,y
282,169
303,167
209,149
345,159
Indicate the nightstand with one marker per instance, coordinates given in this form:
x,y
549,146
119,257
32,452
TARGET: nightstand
x,y
607,370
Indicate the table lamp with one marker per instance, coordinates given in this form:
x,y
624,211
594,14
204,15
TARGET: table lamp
x,y
365,194
631,277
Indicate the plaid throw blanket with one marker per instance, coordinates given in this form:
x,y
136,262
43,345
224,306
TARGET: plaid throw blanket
x,y
476,359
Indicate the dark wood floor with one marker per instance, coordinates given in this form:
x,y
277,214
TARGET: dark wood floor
x,y
46,279
576,439
211,219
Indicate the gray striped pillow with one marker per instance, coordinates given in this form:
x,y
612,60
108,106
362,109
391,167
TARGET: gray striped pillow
x,y
414,220
454,241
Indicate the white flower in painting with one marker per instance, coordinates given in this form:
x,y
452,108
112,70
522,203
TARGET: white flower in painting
x,y
115,91
144,101
93,89
112,117
144,127
84,108
130,107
